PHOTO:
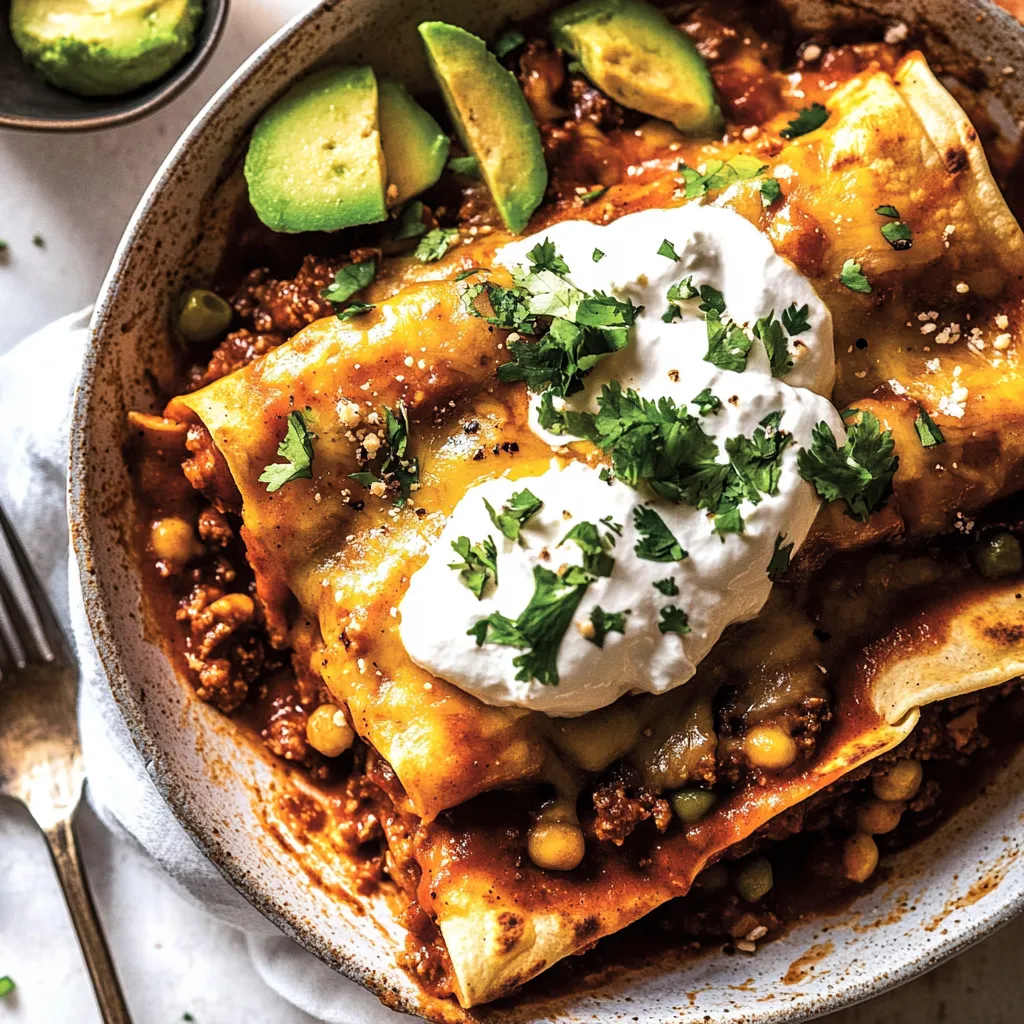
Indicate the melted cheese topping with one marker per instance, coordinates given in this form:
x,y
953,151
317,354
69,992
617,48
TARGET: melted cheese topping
x,y
723,579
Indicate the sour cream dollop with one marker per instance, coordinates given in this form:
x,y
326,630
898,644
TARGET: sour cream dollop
x,y
723,579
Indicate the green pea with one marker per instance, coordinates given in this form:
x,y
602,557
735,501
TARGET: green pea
x,y
692,803
754,879
712,879
203,315
998,554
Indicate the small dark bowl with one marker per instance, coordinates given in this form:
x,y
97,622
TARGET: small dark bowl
x,y
26,101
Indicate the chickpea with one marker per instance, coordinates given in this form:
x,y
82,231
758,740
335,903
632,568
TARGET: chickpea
x,y
900,782
692,803
754,879
860,857
328,731
877,817
556,845
769,747
998,554
174,541
203,316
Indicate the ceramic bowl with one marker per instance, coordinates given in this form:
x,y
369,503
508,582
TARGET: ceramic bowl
x,y
935,899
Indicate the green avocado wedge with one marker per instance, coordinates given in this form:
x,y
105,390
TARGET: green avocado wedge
x,y
630,51
315,161
492,118
415,148
104,47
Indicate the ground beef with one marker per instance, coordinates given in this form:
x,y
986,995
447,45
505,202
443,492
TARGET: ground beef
x,y
621,803
590,104
207,471
238,349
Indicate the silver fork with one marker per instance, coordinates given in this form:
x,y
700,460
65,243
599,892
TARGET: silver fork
x,y
40,755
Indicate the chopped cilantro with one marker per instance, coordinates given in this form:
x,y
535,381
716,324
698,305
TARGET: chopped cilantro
x,y
682,291
771,190
668,250
515,513
297,448
597,256
508,306
410,222
852,277
795,320
3,246
479,564
728,344
673,620
353,277
586,198
509,40
7,986
772,336
596,559
186,1016
395,470
928,432
719,174
434,244
807,120
707,403
667,586
779,564
544,257
540,627
467,166
888,211
860,472
354,309
898,235
38,241
605,623
657,543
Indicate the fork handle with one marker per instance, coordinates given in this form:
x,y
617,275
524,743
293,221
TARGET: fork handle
x,y
64,850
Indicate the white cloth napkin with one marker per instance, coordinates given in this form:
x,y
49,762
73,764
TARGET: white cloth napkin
x,y
37,385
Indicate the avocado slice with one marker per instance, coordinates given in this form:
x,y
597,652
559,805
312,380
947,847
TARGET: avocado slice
x,y
630,51
104,47
492,118
415,148
315,161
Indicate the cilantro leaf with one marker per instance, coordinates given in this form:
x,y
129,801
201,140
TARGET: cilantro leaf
x,y
779,564
509,40
354,309
586,198
605,623
807,120
479,564
860,472
771,190
719,174
657,543
467,166
297,448
728,345
351,278
540,627
410,222
597,256
434,244
795,320
508,306
673,620
898,235
770,331
667,587
756,461
396,470
596,559
515,513
928,432
707,403
728,519
852,277
544,257
668,250
7,985
682,291
888,211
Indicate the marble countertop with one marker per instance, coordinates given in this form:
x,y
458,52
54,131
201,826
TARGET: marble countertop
x,y
75,193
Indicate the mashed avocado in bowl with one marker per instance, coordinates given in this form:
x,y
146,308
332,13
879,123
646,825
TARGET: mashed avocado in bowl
x,y
104,47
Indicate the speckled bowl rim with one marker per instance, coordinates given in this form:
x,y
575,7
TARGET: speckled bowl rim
x,y
1005,907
